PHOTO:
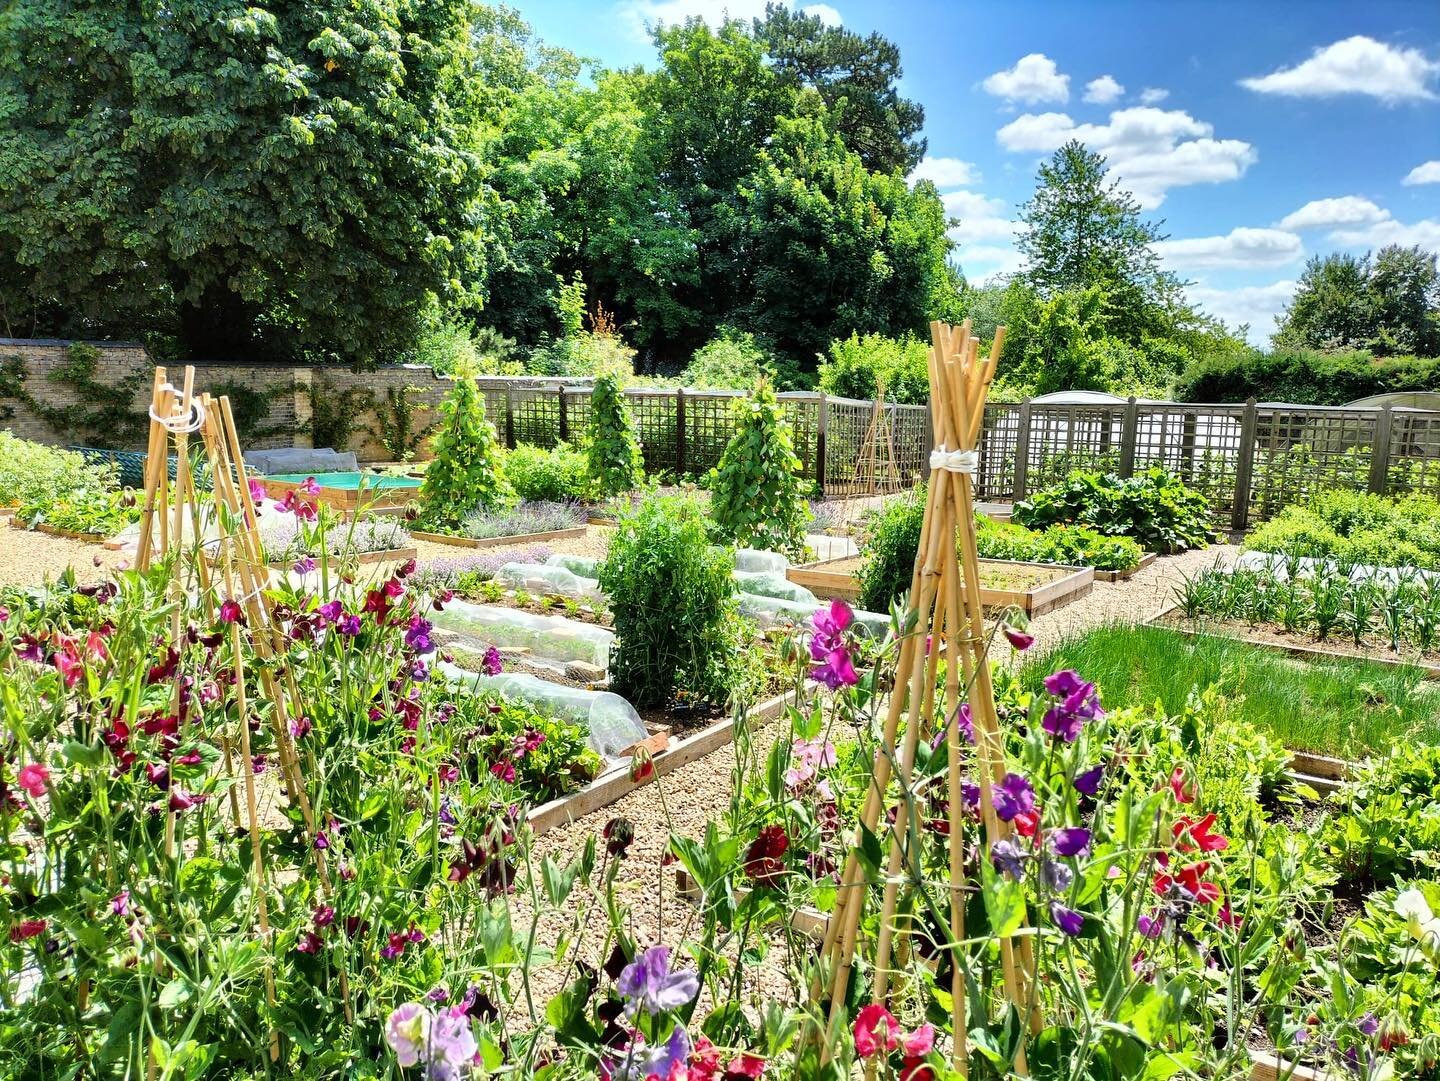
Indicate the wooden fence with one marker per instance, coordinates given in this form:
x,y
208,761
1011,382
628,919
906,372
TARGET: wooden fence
x,y
1250,460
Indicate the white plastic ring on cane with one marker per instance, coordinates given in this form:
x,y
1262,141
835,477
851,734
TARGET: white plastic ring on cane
x,y
955,461
180,423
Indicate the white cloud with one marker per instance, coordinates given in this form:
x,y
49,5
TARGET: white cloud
x,y
828,15
983,263
1345,210
1356,65
1034,78
1149,150
981,218
1429,173
642,14
1425,232
946,172
1103,91
1153,95
1257,305
1239,248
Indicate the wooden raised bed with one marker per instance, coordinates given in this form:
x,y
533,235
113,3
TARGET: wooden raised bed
x,y
609,787
383,555
1120,576
497,542
41,527
1035,588
1304,652
346,500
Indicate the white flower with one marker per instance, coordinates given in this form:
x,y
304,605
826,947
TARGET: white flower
x,y
1423,925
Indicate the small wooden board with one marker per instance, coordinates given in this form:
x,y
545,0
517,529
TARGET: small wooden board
x,y
836,578
497,542
1120,576
50,530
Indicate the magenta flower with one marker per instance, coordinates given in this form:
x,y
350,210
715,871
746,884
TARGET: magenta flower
x,y
1018,638
231,612
829,649
257,490
1088,783
491,664
330,611
1078,703
837,670
1070,841
310,488
966,721
1067,919
309,942
1150,926
504,770
324,916
1013,796
648,984
33,778
120,903
348,626
418,636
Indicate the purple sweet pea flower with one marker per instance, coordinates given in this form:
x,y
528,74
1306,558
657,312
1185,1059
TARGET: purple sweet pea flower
x,y
648,984
1018,639
1063,725
407,1032
1067,919
1078,703
828,648
837,671
418,636
1369,1024
491,664
1070,841
1150,926
303,565
1064,683
1013,796
330,611
348,626
1088,783
1008,858
1056,876
970,794
966,723
641,1063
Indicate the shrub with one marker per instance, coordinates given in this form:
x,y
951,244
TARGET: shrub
x,y
673,606
1077,546
865,367
613,454
887,558
467,473
731,360
757,498
1153,507
1304,376
1356,527
594,353
554,475
34,473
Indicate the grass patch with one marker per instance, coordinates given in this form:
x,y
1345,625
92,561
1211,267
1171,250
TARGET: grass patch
x,y
1344,708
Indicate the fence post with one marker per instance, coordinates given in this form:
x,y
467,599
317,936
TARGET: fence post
x,y
1129,436
1244,467
1022,451
821,424
679,431
1380,453
509,418
564,415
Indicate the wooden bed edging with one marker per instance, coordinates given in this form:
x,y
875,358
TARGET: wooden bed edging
x,y
382,555
1036,601
813,923
1308,653
16,522
1121,576
609,787
497,542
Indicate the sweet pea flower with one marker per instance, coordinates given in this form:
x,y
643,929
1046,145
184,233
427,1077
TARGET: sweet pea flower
x,y
1178,785
1088,783
1190,834
920,1042
763,859
348,626
1013,796
33,778
330,611
418,636
491,664
310,487
1056,876
1018,639
27,929
1070,841
876,1031
120,903
231,612
648,984
303,565
1008,858
1067,919
828,648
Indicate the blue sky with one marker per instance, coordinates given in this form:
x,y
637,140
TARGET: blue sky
x,y
1261,133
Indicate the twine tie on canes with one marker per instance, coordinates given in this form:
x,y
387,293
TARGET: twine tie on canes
x,y
180,422
955,461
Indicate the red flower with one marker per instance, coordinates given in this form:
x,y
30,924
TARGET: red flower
x,y
876,1031
1227,917
230,611
1190,834
1027,823
1183,792
642,767
763,862
26,929
504,770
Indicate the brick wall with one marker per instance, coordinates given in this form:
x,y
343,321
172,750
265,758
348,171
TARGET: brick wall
x,y
285,387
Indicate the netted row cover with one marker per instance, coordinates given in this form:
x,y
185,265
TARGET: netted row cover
x,y
774,612
610,721
583,566
546,579
758,562
765,584
552,641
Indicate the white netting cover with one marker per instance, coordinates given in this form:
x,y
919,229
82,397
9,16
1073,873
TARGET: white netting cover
x,y
765,584
544,579
774,612
756,561
583,566
611,722
551,640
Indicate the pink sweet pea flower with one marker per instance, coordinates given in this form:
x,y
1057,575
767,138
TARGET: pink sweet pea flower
x,y
33,778
876,1031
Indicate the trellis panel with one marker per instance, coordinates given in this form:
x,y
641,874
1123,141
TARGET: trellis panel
x,y
1301,450
1199,444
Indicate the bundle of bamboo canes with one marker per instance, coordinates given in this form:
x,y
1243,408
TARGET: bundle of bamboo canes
x,y
945,618
216,551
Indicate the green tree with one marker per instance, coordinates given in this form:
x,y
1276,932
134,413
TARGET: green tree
x,y
1084,231
1332,307
1404,287
254,179
756,495
467,473
855,76
613,453
1059,341
832,248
